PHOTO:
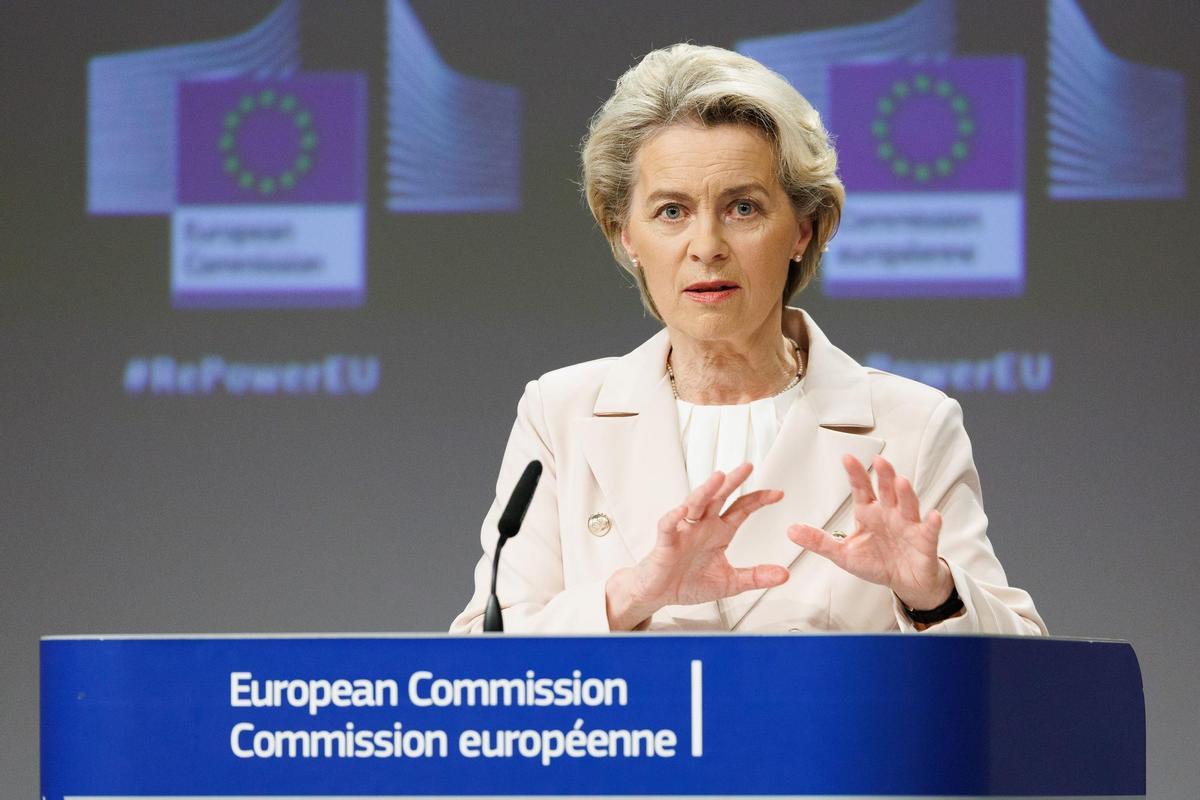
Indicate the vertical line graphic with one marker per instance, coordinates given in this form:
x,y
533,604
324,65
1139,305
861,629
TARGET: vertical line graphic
x,y
697,708
1116,129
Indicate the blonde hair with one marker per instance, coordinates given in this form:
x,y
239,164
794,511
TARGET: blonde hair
x,y
687,83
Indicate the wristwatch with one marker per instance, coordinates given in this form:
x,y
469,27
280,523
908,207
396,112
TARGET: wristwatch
x,y
945,611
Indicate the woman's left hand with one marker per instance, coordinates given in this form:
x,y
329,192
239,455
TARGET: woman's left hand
x,y
892,545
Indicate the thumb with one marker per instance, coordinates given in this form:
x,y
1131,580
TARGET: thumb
x,y
764,576
814,539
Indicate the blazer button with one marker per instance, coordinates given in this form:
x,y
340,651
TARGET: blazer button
x,y
599,524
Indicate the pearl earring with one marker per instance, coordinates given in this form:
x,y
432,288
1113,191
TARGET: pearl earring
x,y
636,263
797,258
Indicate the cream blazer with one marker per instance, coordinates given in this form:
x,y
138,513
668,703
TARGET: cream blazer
x,y
607,435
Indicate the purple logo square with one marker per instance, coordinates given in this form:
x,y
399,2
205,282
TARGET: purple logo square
x,y
291,140
948,125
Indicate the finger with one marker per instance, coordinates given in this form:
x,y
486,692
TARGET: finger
x,y
818,541
668,525
764,576
702,495
906,500
886,477
933,523
747,504
736,477
860,482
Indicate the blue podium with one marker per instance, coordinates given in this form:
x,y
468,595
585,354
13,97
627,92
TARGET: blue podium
x,y
681,715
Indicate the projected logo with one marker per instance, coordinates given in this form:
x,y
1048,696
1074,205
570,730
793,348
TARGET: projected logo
x,y
261,167
933,156
935,179
271,193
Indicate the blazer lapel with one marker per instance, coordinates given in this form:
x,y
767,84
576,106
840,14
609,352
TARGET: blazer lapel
x,y
632,444
827,420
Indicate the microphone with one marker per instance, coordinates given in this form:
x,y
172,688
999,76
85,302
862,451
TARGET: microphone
x,y
509,524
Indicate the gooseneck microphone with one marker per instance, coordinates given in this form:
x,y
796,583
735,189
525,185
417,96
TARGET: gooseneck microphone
x,y
509,524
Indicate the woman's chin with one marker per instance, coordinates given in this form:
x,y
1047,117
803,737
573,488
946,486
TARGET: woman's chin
x,y
732,321
706,324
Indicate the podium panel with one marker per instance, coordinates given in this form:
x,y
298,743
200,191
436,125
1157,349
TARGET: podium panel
x,y
679,715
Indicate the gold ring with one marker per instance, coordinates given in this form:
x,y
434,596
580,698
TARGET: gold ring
x,y
839,534
690,521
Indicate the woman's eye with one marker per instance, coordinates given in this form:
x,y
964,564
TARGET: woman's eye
x,y
671,212
743,208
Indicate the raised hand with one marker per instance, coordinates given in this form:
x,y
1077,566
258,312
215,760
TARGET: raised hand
x,y
891,545
688,563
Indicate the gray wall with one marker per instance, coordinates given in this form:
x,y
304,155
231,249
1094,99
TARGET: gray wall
x,y
138,514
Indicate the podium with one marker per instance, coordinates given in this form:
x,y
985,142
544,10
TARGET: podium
x,y
414,715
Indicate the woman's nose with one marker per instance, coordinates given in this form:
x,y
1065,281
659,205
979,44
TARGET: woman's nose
x,y
708,240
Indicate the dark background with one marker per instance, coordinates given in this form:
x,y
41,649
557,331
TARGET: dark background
x,y
221,514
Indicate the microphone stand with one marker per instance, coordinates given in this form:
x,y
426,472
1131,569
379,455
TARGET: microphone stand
x,y
493,618
509,524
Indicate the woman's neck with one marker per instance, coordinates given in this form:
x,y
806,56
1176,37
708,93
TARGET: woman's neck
x,y
726,373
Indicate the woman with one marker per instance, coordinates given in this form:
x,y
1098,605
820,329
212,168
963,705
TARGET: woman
x,y
716,478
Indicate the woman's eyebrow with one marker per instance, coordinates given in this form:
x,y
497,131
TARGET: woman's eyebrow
x,y
753,187
662,195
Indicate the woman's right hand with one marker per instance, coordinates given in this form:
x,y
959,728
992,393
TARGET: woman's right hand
x,y
688,563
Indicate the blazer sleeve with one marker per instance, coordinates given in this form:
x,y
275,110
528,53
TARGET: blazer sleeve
x,y
946,479
531,585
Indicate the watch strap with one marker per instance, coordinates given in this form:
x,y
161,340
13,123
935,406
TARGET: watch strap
x,y
945,611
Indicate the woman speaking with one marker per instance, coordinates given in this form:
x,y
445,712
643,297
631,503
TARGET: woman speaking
x,y
719,477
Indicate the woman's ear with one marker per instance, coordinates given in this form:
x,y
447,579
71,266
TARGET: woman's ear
x,y
806,233
628,245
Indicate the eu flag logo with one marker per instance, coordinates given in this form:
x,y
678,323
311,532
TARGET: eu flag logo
x,y
271,189
933,157
293,140
953,125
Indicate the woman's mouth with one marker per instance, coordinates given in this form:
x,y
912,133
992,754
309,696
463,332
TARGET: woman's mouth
x,y
711,291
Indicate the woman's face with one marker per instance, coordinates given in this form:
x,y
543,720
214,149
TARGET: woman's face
x,y
714,231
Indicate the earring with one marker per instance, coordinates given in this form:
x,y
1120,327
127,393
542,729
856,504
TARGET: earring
x,y
797,258
635,262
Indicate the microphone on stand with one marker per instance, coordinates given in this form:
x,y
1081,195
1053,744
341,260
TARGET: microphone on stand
x,y
509,524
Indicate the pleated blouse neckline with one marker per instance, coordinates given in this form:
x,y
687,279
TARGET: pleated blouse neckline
x,y
722,437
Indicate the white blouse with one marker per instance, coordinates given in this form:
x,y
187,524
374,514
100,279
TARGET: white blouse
x,y
722,437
